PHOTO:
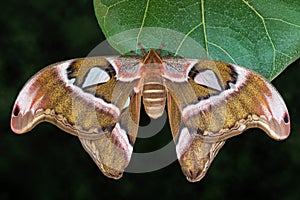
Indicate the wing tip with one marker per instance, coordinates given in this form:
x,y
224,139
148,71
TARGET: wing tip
x,y
278,129
20,123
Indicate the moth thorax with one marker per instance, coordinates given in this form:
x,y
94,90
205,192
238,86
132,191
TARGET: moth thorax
x,y
154,99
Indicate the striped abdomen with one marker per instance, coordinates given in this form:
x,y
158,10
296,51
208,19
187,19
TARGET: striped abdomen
x,y
154,98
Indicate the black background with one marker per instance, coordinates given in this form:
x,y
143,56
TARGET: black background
x,y
50,164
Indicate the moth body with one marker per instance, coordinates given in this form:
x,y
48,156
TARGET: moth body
x,y
154,92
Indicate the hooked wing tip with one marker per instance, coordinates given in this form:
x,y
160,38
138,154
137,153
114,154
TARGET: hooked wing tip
x,y
285,126
22,122
278,129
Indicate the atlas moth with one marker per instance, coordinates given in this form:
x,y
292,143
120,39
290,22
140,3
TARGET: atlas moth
x,y
98,99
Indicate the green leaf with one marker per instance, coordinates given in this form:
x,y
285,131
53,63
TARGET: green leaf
x,y
257,34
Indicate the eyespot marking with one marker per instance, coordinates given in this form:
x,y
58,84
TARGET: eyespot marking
x,y
16,111
286,118
209,79
96,76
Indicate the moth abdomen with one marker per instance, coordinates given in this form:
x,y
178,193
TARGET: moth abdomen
x,y
154,99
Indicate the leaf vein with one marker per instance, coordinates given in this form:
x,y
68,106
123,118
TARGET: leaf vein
x,y
117,3
266,31
186,36
107,10
283,21
204,25
189,6
156,18
224,50
284,54
143,22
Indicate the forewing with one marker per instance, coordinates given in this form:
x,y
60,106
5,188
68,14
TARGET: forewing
x,y
93,98
209,102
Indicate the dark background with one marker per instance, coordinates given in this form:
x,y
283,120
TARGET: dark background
x,y
50,164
